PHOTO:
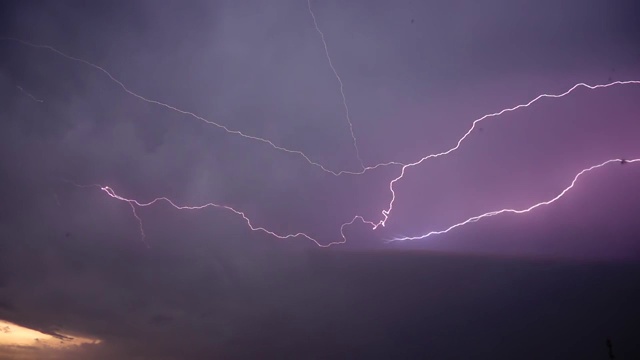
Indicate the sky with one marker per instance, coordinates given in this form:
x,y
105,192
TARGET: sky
x,y
254,106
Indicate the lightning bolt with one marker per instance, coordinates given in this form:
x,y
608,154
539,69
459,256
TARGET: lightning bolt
x,y
133,203
297,152
188,113
343,240
404,166
29,95
387,212
344,98
514,211
135,214
143,235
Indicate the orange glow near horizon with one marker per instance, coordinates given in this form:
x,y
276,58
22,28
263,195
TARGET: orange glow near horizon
x,y
16,335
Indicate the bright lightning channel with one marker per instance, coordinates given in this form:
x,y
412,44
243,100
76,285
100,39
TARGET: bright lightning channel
x,y
514,211
385,213
133,203
344,98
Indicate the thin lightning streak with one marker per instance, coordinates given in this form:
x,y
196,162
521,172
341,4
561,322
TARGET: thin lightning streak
x,y
184,112
29,95
387,212
344,98
514,211
517,107
142,234
133,202
336,173
130,202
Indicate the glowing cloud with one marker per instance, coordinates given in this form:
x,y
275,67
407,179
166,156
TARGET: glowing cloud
x,y
12,335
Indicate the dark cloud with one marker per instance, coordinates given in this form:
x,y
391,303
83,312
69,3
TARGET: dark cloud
x,y
72,261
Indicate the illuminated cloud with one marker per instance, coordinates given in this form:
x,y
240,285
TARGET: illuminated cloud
x,y
16,335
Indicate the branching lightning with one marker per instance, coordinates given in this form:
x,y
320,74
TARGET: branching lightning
x,y
134,203
344,98
135,214
188,113
387,212
514,211
404,166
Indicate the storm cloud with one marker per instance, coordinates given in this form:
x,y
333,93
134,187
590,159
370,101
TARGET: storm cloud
x,y
553,283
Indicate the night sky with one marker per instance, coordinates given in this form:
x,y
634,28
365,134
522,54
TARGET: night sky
x,y
236,103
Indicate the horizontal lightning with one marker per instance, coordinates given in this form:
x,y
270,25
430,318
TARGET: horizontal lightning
x,y
184,112
133,203
404,166
387,212
514,211
300,153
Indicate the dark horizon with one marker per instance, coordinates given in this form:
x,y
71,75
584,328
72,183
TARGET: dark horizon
x,y
389,304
